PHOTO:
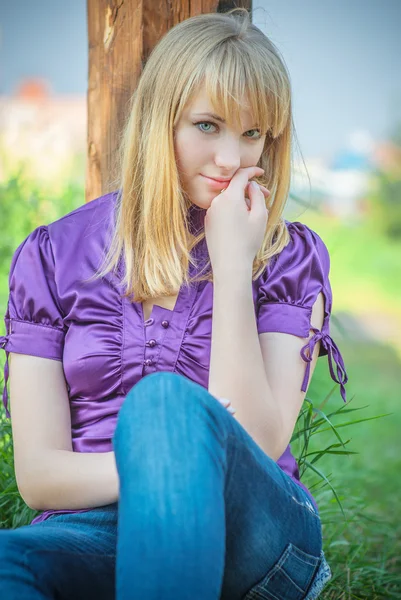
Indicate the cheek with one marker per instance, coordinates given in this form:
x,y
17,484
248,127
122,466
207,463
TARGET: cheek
x,y
190,151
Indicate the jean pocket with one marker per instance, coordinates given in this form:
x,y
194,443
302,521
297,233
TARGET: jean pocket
x,y
320,580
289,579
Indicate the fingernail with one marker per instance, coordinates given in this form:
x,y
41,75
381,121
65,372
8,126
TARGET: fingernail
x,y
231,410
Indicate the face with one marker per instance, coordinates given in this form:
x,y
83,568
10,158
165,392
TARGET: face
x,y
207,148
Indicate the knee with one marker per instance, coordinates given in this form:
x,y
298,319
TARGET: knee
x,y
158,398
153,391
156,384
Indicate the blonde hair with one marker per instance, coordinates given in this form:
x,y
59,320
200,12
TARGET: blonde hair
x,y
233,59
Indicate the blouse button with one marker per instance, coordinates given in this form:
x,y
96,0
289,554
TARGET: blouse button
x,y
148,362
165,324
152,343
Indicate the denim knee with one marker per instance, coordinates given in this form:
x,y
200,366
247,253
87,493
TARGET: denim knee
x,y
153,391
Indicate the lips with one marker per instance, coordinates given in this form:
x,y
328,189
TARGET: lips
x,y
219,178
216,184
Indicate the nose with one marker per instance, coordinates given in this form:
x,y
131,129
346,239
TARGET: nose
x,y
227,158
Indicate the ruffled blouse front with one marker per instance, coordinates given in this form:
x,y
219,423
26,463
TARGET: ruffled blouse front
x,y
105,344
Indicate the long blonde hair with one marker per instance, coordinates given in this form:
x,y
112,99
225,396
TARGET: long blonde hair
x,y
233,59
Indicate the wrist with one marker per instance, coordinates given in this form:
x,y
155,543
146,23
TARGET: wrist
x,y
239,274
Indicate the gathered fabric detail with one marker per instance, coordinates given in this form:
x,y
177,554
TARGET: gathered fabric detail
x,y
3,342
334,355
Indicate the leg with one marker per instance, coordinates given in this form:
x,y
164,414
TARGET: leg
x,y
67,557
273,532
204,513
170,455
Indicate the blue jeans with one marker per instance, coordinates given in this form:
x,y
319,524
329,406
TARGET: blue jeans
x,y
203,513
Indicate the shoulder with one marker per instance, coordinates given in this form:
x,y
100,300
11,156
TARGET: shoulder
x,y
304,237
84,219
74,240
305,248
81,235
297,274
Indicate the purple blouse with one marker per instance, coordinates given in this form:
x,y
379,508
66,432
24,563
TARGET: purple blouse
x,y
102,339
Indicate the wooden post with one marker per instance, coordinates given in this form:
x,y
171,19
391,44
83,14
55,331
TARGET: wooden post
x,y
121,35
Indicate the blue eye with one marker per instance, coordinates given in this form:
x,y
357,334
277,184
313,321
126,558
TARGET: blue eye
x,y
203,123
213,125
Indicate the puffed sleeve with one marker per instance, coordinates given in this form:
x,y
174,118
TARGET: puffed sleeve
x,y
34,321
288,289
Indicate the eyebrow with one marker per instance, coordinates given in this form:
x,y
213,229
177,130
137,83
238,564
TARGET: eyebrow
x,y
216,117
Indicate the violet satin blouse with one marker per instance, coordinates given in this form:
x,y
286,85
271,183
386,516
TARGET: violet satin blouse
x,y
104,343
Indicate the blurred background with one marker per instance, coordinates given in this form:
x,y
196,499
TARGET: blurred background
x,y
343,59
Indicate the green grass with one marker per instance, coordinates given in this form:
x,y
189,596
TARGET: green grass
x,y
364,547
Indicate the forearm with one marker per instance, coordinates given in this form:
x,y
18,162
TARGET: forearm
x,y
236,364
73,480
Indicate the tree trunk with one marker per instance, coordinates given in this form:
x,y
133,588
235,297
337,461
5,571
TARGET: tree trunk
x,y
121,35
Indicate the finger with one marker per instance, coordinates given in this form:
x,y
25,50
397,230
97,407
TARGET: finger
x,y
256,198
242,176
224,401
227,404
249,172
248,199
264,189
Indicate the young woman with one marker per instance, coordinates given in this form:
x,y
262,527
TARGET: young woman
x,y
137,320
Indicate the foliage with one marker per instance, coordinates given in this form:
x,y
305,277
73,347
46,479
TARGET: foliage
x,y
385,196
26,205
386,202
309,425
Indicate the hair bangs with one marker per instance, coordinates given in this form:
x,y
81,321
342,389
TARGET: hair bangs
x,y
233,83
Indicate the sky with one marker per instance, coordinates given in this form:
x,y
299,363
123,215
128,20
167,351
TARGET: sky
x,y
343,58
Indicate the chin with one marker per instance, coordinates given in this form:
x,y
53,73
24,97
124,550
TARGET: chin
x,y
202,202
203,205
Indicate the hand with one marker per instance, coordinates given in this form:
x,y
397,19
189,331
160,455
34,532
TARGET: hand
x,y
227,404
234,232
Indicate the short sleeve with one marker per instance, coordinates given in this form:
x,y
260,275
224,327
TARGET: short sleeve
x,y
288,289
34,321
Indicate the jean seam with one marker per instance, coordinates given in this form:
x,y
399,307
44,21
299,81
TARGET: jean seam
x,y
66,552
